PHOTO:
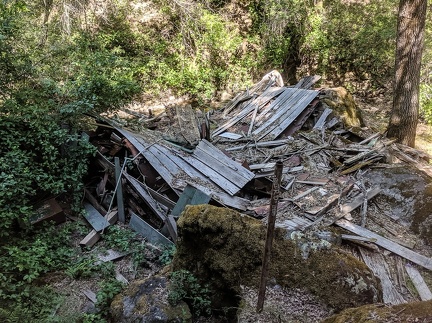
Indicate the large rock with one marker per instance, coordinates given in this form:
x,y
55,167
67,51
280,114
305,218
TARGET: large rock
x,y
412,312
147,301
343,105
406,197
224,249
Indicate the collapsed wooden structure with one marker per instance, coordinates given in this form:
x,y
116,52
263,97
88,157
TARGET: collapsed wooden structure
x,y
149,178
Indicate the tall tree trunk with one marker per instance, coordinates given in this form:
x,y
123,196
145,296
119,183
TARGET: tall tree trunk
x,y
409,49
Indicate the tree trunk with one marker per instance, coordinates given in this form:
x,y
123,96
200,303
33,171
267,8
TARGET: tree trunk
x,y
409,48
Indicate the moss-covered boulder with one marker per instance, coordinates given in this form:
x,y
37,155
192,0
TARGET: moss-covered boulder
x,y
147,301
411,312
224,249
343,105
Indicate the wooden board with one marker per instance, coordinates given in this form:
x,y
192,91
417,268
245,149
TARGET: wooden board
x,y
406,253
49,210
96,220
288,118
227,167
94,236
146,230
419,283
358,200
378,265
190,196
286,114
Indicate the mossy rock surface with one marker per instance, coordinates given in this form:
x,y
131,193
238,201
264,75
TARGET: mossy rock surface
x,y
224,249
343,104
411,312
147,301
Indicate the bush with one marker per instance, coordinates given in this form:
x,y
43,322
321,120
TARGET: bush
x,y
185,286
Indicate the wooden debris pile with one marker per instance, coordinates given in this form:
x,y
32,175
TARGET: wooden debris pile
x,y
227,158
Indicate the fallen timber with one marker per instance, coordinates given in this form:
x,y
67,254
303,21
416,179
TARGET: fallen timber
x,y
323,162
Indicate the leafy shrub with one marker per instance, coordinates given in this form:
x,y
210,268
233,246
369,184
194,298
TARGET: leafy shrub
x,y
167,255
108,289
185,286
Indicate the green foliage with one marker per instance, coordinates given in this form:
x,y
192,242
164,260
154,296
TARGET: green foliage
x,y
201,54
185,286
37,306
167,255
108,289
124,239
356,38
23,261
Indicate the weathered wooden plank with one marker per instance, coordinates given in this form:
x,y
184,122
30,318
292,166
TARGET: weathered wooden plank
x,y
227,167
295,224
93,201
147,198
213,175
190,196
96,220
230,135
419,283
273,143
267,95
175,157
406,253
320,124
296,101
94,236
223,198
279,102
358,200
378,265
295,110
119,192
90,295
147,231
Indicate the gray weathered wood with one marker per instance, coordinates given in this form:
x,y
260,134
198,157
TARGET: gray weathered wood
x,y
190,196
90,295
295,111
215,158
358,200
96,220
320,124
259,101
213,175
378,265
119,192
419,283
223,198
293,106
230,135
273,143
406,253
147,231
94,236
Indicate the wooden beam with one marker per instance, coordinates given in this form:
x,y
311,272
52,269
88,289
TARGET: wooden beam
x,y
419,283
119,191
96,220
394,247
94,236
146,230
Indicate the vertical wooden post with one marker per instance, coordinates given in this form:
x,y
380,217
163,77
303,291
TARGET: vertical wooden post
x,y
270,233
119,192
